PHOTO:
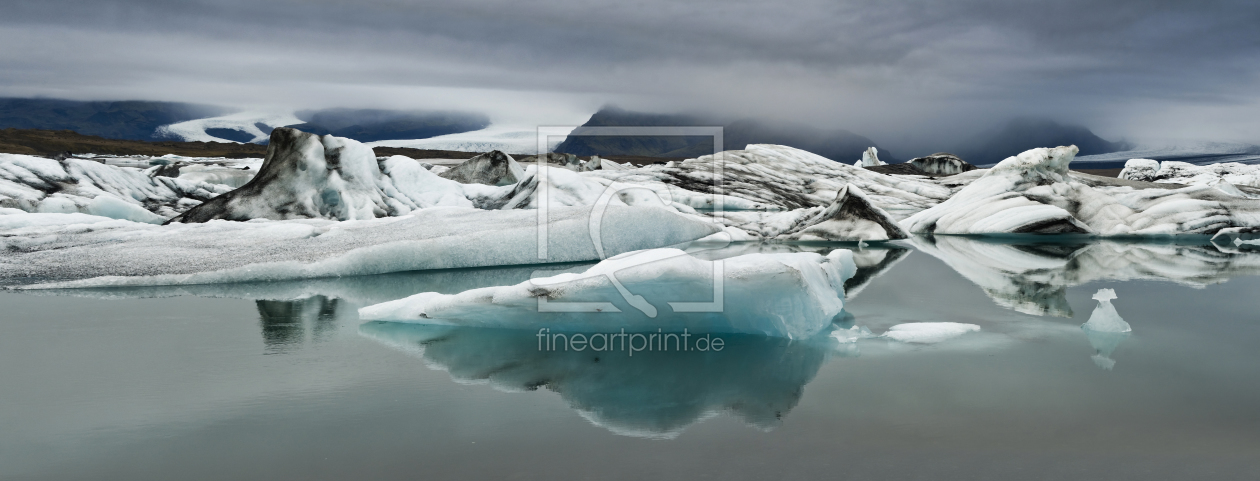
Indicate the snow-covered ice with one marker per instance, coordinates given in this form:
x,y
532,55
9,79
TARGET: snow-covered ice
x,y
1034,193
123,253
783,178
306,176
783,295
1192,152
851,217
1173,172
490,168
941,164
37,184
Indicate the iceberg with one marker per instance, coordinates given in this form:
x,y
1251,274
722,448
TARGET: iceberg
x,y
783,295
870,158
1033,193
491,168
1105,329
123,253
1174,172
941,163
306,176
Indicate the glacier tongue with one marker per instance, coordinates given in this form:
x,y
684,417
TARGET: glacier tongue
x,y
785,295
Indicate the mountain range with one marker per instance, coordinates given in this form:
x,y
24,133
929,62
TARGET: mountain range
x,y
140,120
129,120
1021,134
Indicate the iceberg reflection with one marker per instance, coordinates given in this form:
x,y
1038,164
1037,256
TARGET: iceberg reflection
x,y
1032,276
652,394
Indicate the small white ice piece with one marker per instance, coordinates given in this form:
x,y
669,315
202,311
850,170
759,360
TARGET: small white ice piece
x,y
928,332
1105,318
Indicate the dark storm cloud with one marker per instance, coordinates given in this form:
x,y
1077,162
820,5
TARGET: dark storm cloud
x,y
878,67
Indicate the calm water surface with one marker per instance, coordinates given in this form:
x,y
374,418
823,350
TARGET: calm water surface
x,y
213,383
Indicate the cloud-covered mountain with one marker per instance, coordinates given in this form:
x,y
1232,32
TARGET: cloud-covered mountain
x,y
136,120
131,120
835,144
1028,133
366,125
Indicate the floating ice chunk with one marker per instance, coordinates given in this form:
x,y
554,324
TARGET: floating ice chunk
x,y
1105,329
106,205
870,158
1105,318
784,295
852,334
928,332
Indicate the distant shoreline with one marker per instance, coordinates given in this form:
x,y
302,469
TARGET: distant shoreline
x,y
49,143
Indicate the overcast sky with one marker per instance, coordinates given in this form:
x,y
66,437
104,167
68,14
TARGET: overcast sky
x,y
899,72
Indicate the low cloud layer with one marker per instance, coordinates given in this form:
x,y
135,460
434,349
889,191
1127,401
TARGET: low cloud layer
x,y
907,73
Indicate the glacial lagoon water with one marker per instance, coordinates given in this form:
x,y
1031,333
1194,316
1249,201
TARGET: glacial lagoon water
x,y
227,382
